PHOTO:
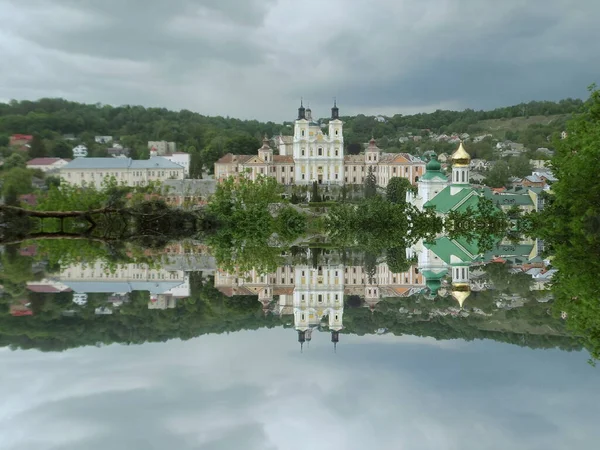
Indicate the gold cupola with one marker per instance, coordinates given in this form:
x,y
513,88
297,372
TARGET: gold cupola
x,y
460,157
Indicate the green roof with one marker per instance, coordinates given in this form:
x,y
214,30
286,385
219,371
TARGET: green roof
x,y
462,250
508,199
445,202
432,175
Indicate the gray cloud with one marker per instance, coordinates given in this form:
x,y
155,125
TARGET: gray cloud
x,y
254,59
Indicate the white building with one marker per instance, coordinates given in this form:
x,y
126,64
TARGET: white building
x,y
127,171
162,147
81,151
180,158
103,139
46,164
311,156
317,156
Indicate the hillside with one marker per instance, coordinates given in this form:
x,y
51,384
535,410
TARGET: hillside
x,y
499,127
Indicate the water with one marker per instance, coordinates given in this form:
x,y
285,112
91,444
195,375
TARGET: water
x,y
167,349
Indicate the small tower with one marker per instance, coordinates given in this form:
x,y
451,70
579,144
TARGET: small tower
x,y
335,112
266,152
431,183
335,338
461,288
372,153
460,169
308,114
301,112
335,125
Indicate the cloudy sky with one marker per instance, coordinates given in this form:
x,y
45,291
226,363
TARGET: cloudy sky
x,y
254,390
256,58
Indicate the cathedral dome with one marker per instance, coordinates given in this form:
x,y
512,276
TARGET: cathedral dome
x,y
460,157
433,165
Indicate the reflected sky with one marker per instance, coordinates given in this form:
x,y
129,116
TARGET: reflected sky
x,y
255,390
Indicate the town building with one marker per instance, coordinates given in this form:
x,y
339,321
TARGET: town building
x,y
103,139
20,140
164,285
47,164
80,151
311,156
127,171
162,147
180,158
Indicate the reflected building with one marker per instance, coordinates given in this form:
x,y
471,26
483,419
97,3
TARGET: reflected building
x,y
314,294
165,285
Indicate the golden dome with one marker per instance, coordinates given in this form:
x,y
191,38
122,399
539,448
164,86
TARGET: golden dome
x,y
460,292
460,156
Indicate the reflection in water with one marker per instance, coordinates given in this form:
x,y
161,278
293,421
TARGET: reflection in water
x,y
452,290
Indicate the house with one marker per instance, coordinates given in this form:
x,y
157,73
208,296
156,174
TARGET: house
x,y
80,151
117,151
69,137
539,163
481,137
162,147
563,134
127,171
479,164
20,140
28,199
443,158
103,139
505,201
531,181
546,151
46,164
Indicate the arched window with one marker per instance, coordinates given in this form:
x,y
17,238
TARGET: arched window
x,y
302,132
463,176
320,151
336,132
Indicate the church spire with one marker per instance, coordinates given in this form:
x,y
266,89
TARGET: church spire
x,y
301,110
335,112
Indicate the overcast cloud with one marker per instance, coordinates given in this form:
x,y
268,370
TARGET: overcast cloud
x,y
256,58
255,390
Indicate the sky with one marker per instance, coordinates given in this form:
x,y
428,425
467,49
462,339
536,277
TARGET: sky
x,y
254,59
255,390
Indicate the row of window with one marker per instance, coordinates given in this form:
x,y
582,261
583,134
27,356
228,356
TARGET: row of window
x,y
319,152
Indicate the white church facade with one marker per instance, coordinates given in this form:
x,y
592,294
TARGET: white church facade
x,y
311,155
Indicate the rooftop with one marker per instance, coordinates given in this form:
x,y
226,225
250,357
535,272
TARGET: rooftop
x,y
43,161
121,163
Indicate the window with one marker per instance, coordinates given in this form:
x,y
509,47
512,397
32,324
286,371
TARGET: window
x,y
336,132
394,170
354,179
303,176
354,169
282,180
302,132
302,152
463,176
336,176
406,170
369,157
336,152
320,151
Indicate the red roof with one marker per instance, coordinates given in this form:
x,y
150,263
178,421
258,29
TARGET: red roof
x,y
42,161
30,199
24,137
45,288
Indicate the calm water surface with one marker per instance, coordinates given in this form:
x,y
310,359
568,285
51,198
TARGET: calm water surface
x,y
219,361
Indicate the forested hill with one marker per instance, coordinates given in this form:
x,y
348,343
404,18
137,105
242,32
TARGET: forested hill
x,y
208,138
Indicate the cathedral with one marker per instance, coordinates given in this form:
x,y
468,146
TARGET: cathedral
x,y
310,156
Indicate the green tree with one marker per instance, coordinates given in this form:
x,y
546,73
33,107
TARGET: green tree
x,y
17,181
519,166
498,176
61,149
370,184
37,147
397,189
15,160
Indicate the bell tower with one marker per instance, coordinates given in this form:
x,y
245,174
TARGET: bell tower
x,y
460,170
